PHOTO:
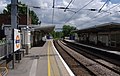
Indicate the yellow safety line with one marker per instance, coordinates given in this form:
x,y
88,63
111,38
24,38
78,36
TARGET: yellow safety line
x,y
49,73
5,69
54,63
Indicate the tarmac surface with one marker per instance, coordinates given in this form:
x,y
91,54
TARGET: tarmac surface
x,y
41,61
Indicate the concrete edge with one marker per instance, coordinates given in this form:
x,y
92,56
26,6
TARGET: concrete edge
x,y
64,63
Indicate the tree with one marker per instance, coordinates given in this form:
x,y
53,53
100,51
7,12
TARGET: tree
x,y
56,34
22,10
34,18
67,30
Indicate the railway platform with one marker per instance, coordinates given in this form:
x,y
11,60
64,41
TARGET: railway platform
x,y
41,61
97,48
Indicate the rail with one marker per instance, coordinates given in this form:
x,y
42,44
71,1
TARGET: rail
x,y
92,63
101,59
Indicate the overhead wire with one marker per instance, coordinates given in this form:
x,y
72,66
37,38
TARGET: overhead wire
x,y
107,10
101,13
79,10
101,8
103,5
68,5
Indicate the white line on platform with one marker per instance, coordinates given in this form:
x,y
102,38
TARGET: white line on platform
x,y
66,66
115,52
33,68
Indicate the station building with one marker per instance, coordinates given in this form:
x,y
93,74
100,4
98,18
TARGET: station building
x,y
31,35
105,35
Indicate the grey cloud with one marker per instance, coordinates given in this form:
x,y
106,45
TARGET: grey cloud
x,y
82,19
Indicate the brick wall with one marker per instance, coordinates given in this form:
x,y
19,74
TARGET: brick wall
x,y
6,19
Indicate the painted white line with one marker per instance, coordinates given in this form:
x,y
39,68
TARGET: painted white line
x,y
115,52
66,66
33,68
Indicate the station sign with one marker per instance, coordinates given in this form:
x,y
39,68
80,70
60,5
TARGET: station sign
x,y
17,40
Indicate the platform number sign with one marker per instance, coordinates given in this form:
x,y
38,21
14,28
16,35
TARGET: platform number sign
x,y
17,39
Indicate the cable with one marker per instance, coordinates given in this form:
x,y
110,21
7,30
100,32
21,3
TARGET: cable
x,y
68,5
85,6
103,5
78,11
100,14
106,11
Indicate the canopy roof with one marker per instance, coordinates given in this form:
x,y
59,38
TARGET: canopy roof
x,y
42,28
107,27
45,29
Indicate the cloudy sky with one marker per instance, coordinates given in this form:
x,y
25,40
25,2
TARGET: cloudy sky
x,y
77,15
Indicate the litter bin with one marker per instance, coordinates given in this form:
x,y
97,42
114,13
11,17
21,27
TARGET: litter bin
x,y
18,56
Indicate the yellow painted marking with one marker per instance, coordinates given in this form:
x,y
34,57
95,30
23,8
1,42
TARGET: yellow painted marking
x,y
49,74
54,65
53,69
6,69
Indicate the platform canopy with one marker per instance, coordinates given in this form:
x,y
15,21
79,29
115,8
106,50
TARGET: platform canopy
x,y
42,28
106,27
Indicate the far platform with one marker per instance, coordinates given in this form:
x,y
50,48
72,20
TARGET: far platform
x,y
106,50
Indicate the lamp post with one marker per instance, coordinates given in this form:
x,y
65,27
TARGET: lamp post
x,y
26,31
27,37
27,15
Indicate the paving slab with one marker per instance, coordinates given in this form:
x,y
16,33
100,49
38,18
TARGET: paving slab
x,y
41,61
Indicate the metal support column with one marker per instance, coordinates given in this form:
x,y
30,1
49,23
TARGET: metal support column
x,y
14,13
14,24
26,44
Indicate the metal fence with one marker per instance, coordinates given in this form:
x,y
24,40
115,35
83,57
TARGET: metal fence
x,y
5,48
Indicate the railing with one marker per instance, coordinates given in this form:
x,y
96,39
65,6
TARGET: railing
x,y
5,48
2,48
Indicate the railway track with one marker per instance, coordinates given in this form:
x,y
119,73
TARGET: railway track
x,y
85,64
101,59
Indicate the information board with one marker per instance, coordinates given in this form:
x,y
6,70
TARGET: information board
x,y
17,40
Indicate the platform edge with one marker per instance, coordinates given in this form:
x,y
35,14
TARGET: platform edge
x,y
64,63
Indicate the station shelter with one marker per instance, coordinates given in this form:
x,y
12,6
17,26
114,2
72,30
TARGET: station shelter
x,y
107,34
30,36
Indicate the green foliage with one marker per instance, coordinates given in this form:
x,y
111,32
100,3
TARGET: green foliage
x,y
67,30
22,10
34,17
53,34
2,42
56,35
